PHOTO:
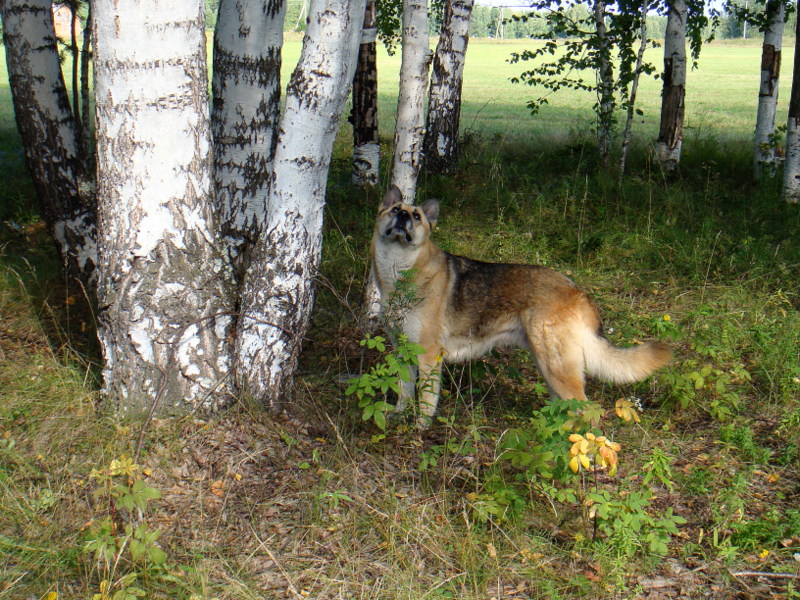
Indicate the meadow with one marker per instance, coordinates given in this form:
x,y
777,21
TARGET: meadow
x,y
319,502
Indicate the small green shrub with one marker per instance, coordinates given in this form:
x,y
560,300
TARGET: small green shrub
x,y
395,368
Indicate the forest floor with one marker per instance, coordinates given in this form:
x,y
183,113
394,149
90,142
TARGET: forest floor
x,y
318,502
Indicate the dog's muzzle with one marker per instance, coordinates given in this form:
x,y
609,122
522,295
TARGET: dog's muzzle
x,y
401,226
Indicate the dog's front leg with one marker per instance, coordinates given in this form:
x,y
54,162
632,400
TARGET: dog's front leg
x,y
429,384
406,390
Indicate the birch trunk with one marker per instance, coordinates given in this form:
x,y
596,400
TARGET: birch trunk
x,y
278,291
605,87
791,166
246,108
164,292
765,159
670,135
410,126
444,107
50,134
364,114
626,136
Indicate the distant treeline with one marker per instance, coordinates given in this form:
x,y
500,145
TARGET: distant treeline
x,y
508,23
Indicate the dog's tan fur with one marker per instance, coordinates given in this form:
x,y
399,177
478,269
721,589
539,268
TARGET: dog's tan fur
x,y
464,308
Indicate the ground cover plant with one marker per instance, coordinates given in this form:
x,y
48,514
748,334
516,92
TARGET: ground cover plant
x,y
699,481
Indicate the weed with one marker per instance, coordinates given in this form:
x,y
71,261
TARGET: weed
x,y
741,437
389,374
122,545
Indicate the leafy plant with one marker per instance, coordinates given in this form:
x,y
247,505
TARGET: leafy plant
x,y
396,368
619,515
120,542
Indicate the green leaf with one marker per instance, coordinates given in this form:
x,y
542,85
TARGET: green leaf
x,y
156,555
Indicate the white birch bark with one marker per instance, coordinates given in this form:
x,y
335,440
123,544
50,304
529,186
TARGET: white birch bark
x,y
50,134
278,290
605,85
444,106
626,135
791,166
670,136
164,293
410,126
765,159
246,108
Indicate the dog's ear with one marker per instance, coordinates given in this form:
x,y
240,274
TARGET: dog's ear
x,y
392,197
431,210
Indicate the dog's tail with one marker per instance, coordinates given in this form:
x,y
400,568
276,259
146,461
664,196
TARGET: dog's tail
x,y
605,361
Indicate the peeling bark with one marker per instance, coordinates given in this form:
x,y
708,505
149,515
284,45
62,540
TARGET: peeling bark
x,y
164,291
410,127
50,134
605,86
364,113
444,107
670,135
278,291
246,109
765,159
791,166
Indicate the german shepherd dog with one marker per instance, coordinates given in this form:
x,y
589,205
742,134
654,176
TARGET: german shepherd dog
x,y
462,308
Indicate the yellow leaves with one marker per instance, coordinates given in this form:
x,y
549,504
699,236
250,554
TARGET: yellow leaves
x,y
490,547
124,466
589,449
626,410
50,596
218,488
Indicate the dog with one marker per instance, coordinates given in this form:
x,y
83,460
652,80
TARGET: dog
x,y
459,309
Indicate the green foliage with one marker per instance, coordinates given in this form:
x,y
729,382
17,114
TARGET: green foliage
x,y
627,521
453,446
582,57
776,528
659,468
122,545
395,368
541,448
741,437
624,516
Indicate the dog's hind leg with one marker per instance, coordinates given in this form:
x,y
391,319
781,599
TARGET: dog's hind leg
x,y
559,356
429,385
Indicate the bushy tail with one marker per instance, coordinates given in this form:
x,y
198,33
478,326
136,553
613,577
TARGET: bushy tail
x,y
623,365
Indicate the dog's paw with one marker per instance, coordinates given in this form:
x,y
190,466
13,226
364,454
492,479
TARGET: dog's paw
x,y
424,422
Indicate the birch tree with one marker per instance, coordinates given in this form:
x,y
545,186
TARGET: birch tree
x,y
248,40
49,134
410,127
164,292
588,38
444,107
765,159
364,113
278,288
605,85
670,134
791,166
634,88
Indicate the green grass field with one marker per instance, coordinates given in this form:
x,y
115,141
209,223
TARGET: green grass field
x,y
319,503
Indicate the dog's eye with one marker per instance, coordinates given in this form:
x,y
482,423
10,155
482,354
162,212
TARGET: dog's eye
x,y
394,210
416,216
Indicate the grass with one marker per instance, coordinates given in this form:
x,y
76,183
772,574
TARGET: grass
x,y
315,503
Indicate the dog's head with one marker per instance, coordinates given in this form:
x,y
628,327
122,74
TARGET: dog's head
x,y
406,224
